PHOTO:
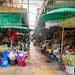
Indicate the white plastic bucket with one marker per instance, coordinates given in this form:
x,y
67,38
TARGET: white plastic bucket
x,y
70,69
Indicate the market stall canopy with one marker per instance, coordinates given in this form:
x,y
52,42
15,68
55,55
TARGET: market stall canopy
x,y
70,23
11,19
19,33
58,14
13,16
17,29
62,5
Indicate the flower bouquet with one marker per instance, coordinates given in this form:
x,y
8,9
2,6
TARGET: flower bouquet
x,y
69,62
55,46
21,55
3,48
11,55
12,58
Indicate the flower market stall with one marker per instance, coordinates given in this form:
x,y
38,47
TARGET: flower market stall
x,y
11,53
69,62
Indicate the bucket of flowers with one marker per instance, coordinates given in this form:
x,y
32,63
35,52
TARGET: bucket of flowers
x,y
69,61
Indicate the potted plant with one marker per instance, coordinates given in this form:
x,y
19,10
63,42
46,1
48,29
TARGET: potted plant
x,y
69,61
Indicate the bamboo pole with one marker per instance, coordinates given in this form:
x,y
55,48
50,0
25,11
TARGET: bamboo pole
x,y
62,45
62,41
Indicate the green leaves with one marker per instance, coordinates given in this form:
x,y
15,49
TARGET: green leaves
x,y
55,46
3,48
69,60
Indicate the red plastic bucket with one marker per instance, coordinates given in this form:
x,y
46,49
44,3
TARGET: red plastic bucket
x,y
20,63
41,51
0,61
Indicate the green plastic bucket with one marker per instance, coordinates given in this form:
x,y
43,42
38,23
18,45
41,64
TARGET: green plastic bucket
x,y
51,56
59,61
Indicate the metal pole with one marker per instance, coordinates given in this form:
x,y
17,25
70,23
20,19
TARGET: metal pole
x,y
22,5
28,6
62,42
44,1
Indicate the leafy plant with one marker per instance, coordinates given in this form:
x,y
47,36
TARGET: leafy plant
x,y
55,46
3,48
69,60
16,47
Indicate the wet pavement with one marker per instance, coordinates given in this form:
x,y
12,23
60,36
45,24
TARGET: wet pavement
x,y
35,64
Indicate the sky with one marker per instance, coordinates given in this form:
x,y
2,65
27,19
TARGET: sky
x,y
33,5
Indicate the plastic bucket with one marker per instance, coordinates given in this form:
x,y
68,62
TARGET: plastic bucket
x,y
5,54
51,56
63,62
13,62
41,51
54,57
0,61
20,63
59,61
4,62
70,69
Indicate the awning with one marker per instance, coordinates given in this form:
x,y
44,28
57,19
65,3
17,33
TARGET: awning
x,y
70,23
13,16
11,19
4,29
62,5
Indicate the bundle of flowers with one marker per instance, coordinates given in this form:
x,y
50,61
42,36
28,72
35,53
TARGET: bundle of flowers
x,y
3,48
16,47
69,60
55,46
21,55
12,55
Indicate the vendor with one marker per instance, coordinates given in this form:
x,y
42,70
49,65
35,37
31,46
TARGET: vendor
x,y
66,49
49,44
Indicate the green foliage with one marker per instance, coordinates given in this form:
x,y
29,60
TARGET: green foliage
x,y
69,60
3,48
55,46
16,47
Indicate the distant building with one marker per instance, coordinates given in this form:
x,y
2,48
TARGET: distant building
x,y
10,3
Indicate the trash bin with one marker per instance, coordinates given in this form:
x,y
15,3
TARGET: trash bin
x,y
42,51
4,62
51,56
5,54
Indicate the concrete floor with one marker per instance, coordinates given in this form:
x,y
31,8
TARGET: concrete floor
x,y
35,65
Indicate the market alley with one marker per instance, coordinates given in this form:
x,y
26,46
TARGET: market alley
x,y
35,64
